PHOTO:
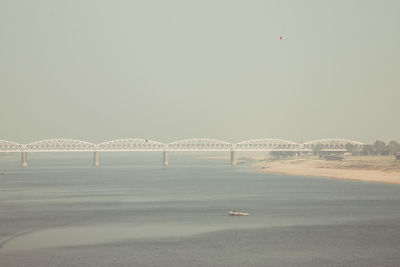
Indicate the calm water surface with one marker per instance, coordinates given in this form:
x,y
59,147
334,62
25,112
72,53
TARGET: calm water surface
x,y
131,211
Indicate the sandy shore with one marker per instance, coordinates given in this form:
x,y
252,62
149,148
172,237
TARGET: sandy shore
x,y
373,169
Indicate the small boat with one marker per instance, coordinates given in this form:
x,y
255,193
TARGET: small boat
x,y
237,213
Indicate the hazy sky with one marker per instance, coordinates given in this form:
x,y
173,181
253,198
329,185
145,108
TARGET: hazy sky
x,y
169,70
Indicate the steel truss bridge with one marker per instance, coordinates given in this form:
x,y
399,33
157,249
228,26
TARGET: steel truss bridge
x,y
192,145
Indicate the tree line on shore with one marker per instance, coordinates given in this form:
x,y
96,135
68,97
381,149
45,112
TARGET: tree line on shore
x,y
380,148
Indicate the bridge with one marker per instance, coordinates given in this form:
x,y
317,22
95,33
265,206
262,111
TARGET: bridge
x,y
188,145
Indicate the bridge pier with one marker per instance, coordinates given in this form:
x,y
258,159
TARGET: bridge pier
x,y
96,159
233,157
165,158
24,159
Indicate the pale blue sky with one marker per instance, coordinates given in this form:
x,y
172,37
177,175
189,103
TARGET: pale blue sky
x,y
169,70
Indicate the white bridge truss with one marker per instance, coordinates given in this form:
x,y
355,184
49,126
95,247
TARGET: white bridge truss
x,y
131,145
60,145
195,145
8,146
267,145
199,145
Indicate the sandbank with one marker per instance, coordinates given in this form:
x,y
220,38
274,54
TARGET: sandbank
x,y
371,169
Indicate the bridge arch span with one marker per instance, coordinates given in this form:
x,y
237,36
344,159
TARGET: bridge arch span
x,y
60,145
200,144
267,145
10,146
131,145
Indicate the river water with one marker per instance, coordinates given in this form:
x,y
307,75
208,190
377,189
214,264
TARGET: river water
x,y
132,211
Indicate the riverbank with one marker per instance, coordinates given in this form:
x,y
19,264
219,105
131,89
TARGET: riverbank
x,y
372,169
